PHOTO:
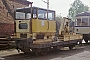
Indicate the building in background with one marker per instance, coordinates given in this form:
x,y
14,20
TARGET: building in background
x,y
7,8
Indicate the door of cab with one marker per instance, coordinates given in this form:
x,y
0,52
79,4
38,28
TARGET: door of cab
x,y
22,26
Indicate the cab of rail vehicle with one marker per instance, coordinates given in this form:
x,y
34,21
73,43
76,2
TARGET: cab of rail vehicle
x,y
36,22
36,30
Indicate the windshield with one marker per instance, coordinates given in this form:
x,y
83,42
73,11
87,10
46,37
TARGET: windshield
x,y
38,13
42,14
50,15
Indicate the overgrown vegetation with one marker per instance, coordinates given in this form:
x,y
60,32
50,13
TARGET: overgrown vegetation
x,y
77,7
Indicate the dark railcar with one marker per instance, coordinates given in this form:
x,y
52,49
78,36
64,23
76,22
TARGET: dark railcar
x,y
6,30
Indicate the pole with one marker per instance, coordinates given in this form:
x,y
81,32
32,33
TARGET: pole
x,y
47,10
47,3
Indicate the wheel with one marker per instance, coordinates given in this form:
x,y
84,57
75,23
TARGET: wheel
x,y
71,47
44,51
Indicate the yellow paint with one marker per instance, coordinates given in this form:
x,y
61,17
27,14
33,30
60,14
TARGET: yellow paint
x,y
39,25
43,25
52,26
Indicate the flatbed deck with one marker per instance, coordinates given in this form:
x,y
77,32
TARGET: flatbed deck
x,y
52,44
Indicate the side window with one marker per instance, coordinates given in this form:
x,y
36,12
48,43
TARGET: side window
x,y
78,22
50,15
34,13
42,14
20,15
84,21
28,15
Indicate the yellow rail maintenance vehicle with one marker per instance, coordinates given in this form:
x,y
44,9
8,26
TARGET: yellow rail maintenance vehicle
x,y
36,30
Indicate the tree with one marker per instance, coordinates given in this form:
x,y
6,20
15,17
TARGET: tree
x,y
58,22
76,7
58,17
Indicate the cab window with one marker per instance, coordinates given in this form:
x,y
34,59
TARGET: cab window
x,y
23,26
20,15
28,15
42,14
50,15
78,22
34,13
84,21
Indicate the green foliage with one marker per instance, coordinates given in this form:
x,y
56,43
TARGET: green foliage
x,y
59,17
76,7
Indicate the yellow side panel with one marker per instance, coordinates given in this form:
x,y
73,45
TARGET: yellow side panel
x,y
39,25
52,26
43,26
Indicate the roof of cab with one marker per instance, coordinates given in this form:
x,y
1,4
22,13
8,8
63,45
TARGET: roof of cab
x,y
27,8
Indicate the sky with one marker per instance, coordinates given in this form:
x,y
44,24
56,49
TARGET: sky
x,y
60,6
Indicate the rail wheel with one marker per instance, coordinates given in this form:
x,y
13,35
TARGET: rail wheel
x,y
44,51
